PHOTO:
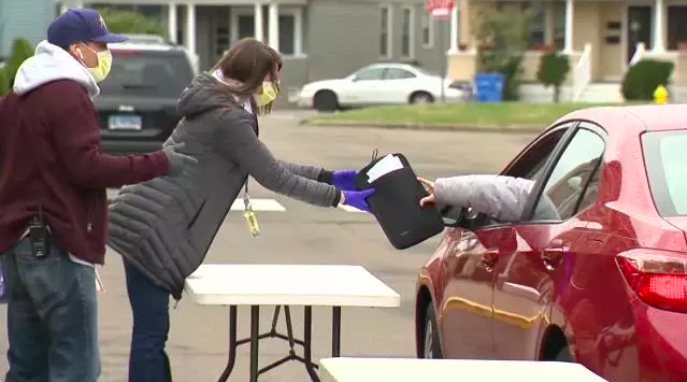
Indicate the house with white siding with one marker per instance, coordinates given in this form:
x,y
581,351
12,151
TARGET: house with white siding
x,y
318,39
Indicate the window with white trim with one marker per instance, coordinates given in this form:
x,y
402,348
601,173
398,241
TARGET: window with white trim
x,y
290,28
291,32
242,24
427,31
385,20
407,35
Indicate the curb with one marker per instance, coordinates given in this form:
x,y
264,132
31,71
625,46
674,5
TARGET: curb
x,y
516,129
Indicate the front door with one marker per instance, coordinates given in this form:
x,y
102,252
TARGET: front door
x,y
639,26
540,252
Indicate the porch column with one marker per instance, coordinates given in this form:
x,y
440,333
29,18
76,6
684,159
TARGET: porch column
x,y
273,26
658,45
465,34
172,22
569,21
191,28
453,35
259,22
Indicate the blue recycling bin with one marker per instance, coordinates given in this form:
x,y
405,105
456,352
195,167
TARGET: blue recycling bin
x,y
489,87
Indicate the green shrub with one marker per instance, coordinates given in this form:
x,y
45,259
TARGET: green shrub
x,y
4,82
501,38
128,21
553,68
641,80
512,72
21,50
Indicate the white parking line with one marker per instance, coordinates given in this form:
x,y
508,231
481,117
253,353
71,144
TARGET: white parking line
x,y
269,205
350,209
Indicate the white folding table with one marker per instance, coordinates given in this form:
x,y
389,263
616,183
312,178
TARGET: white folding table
x,y
333,286
420,370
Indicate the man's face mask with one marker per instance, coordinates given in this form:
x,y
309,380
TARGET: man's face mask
x,y
269,94
101,71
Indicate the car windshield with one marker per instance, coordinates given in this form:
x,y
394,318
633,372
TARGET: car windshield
x,y
665,157
147,74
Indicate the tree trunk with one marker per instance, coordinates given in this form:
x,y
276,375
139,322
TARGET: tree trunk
x,y
556,93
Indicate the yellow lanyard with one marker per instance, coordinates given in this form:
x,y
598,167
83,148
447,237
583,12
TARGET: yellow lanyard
x,y
249,214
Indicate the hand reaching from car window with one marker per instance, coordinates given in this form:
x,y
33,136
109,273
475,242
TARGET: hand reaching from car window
x,y
429,186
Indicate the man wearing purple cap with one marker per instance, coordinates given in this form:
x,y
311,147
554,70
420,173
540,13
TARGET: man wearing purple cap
x,y
53,200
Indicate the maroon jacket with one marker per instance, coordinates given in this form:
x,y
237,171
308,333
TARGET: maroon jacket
x,y
50,156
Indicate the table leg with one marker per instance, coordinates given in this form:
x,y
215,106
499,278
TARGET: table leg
x,y
254,328
232,345
307,344
336,331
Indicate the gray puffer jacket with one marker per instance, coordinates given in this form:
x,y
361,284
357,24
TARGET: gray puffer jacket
x,y
164,227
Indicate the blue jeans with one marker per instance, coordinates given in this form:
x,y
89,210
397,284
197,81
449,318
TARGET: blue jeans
x,y
148,361
52,317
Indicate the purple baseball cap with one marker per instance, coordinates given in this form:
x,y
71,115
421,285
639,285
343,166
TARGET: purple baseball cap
x,y
80,25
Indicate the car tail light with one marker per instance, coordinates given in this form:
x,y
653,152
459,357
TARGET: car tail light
x,y
659,278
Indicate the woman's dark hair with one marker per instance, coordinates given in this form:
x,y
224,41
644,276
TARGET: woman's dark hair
x,y
247,63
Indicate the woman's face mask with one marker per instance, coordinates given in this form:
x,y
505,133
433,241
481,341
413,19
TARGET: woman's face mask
x,y
269,94
101,71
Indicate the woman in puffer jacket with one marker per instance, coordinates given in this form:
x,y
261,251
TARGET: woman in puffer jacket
x,y
163,228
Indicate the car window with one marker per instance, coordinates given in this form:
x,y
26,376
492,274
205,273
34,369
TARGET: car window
x,y
370,74
571,173
591,192
665,157
530,163
147,74
398,74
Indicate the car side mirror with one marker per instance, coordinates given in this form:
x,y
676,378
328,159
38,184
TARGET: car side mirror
x,y
452,216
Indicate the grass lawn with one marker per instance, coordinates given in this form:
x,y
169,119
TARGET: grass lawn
x,y
465,114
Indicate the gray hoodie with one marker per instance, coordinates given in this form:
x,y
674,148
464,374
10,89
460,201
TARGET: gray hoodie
x,y
165,227
501,197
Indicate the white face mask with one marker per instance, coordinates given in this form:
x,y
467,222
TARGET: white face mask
x,y
101,71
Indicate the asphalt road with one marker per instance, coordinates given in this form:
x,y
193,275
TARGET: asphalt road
x,y
305,235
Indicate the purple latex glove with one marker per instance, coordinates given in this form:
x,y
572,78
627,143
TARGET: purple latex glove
x,y
357,199
344,180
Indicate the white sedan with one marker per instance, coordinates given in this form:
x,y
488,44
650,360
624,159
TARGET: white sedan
x,y
380,84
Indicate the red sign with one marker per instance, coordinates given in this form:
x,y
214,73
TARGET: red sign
x,y
439,8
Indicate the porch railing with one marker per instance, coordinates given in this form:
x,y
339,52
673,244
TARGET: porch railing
x,y
639,53
582,73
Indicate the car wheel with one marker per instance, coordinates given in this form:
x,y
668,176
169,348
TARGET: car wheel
x,y
431,347
564,356
421,98
325,100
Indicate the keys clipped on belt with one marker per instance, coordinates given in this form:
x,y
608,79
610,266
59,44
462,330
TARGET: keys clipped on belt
x,y
251,218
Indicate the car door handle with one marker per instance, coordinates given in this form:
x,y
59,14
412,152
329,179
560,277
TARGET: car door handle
x,y
552,255
489,260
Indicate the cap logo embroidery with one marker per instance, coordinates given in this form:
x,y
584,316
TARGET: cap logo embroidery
x,y
102,22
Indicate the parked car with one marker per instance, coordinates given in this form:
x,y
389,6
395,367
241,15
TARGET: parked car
x,y
380,84
137,103
605,285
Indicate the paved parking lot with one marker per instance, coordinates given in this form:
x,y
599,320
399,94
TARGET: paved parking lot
x,y
293,232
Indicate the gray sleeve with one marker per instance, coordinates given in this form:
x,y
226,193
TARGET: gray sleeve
x,y
236,139
501,197
310,172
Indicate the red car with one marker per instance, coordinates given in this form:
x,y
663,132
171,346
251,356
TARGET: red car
x,y
605,285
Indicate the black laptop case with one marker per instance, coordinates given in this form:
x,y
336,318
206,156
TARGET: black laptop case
x,y
396,205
